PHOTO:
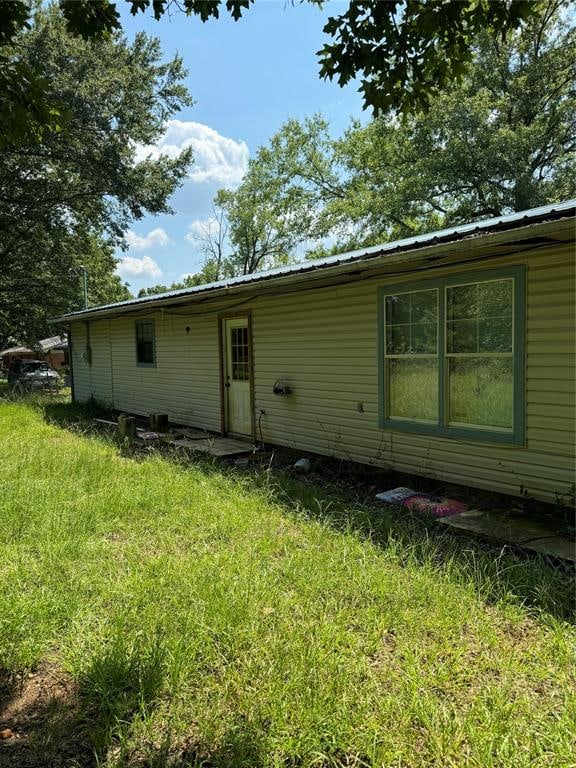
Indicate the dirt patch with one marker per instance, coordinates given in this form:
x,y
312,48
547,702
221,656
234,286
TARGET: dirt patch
x,y
41,721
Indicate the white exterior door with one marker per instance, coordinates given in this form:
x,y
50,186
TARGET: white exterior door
x,y
237,372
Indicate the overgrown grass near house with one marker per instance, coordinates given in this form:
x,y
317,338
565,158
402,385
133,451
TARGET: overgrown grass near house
x,y
207,618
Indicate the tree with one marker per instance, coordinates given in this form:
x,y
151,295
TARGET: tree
x,y
402,51
189,281
260,231
248,232
31,293
69,200
503,140
212,240
407,51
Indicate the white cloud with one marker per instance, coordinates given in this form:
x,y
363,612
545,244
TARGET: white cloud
x,y
201,228
156,237
217,158
131,266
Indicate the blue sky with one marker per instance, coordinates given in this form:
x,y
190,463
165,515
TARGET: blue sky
x,y
246,78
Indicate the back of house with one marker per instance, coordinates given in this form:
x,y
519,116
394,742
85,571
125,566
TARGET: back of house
x,y
449,355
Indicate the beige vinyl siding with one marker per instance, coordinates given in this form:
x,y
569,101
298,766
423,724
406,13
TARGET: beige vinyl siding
x,y
324,344
93,380
184,383
80,368
329,357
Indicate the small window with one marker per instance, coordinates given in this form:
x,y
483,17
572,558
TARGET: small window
x,y
145,351
453,356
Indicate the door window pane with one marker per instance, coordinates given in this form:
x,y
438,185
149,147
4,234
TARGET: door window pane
x,y
413,389
239,354
481,391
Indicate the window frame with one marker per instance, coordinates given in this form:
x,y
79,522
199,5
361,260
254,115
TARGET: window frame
x,y
516,436
151,323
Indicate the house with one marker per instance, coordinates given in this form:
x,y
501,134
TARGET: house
x,y
449,355
7,356
53,350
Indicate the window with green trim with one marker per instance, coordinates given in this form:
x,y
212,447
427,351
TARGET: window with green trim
x,y
411,350
452,356
145,347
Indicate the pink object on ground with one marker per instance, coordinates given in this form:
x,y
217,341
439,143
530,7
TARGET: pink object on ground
x,y
438,506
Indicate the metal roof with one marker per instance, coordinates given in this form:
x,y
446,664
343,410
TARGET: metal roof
x,y
54,342
510,221
44,345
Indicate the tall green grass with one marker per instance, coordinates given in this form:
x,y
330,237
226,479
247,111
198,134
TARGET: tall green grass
x,y
209,618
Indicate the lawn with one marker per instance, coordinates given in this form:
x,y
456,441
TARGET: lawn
x,y
193,615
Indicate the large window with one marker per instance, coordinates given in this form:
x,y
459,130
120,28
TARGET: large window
x,y
453,356
145,351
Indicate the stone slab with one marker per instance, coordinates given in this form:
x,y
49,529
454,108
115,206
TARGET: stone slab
x,y
529,534
215,446
190,433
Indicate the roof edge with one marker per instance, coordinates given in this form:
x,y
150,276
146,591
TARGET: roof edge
x,y
484,228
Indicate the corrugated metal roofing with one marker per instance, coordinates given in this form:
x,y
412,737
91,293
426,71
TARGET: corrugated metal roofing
x,y
54,342
44,345
510,221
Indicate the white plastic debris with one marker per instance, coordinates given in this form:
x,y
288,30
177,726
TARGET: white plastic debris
x,y
396,495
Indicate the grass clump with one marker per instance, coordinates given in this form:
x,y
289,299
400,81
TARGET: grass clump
x,y
206,618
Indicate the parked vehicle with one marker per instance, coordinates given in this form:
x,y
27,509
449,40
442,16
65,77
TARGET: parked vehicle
x,y
32,375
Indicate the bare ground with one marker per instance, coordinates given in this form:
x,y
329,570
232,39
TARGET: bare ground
x,y
41,723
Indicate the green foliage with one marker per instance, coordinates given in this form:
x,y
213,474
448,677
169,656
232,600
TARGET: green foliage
x,y
30,109
15,17
68,200
249,231
260,234
407,52
203,617
402,52
27,109
205,275
502,140
205,9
